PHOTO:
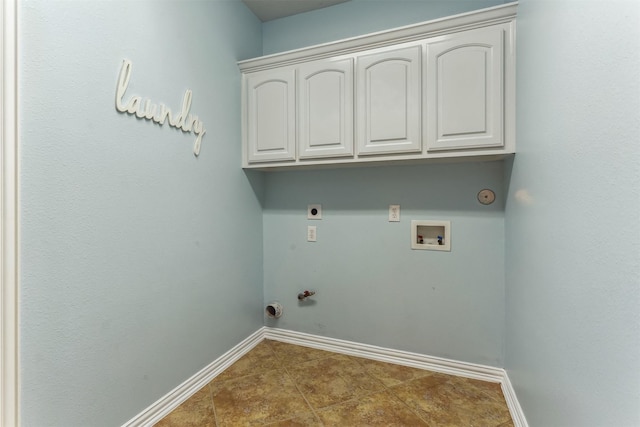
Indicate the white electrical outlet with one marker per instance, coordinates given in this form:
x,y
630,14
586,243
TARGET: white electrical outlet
x,y
394,213
314,212
311,233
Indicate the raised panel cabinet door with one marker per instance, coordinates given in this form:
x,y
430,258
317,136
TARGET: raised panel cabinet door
x,y
389,99
270,115
325,108
465,90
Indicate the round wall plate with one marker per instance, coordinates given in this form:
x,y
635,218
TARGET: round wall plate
x,y
486,196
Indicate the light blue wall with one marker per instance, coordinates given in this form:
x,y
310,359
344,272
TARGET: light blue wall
x,y
134,252
358,17
573,215
371,286
136,269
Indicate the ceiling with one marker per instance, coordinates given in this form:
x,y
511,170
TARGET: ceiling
x,y
267,10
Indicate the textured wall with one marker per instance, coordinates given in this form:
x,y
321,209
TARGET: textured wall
x,y
372,287
136,268
358,17
572,217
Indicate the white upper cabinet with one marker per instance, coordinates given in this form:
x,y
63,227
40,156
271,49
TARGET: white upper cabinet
x,y
325,109
269,116
465,93
389,101
442,89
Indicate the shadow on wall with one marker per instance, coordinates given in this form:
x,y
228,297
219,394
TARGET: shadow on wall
x,y
440,187
256,180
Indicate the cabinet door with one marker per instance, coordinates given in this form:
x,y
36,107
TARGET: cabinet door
x,y
325,108
389,101
270,115
464,97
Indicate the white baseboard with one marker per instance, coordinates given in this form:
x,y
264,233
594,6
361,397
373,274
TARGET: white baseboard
x,y
517,415
184,391
173,399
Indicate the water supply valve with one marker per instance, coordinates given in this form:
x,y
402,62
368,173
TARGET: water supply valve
x,y
305,294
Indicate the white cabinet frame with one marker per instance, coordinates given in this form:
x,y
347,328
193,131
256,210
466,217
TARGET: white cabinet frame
x,y
445,139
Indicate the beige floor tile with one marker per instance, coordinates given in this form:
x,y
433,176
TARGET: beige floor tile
x,y
451,401
303,420
425,396
259,360
332,380
289,354
507,423
391,374
475,389
478,402
197,411
380,409
257,399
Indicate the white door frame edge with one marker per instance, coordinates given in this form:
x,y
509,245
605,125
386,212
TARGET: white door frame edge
x,y
9,390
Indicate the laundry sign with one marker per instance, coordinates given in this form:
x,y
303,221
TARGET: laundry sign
x,y
158,113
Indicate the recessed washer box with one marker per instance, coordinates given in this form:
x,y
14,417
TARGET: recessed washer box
x,y
431,235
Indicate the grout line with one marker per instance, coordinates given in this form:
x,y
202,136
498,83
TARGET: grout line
x,y
213,405
353,399
366,371
412,409
485,393
391,393
248,374
495,397
295,383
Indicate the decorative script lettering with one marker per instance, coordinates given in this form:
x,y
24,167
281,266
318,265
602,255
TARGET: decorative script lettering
x,y
159,113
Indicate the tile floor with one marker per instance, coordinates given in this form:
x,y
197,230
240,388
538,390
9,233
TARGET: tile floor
x,y
278,384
